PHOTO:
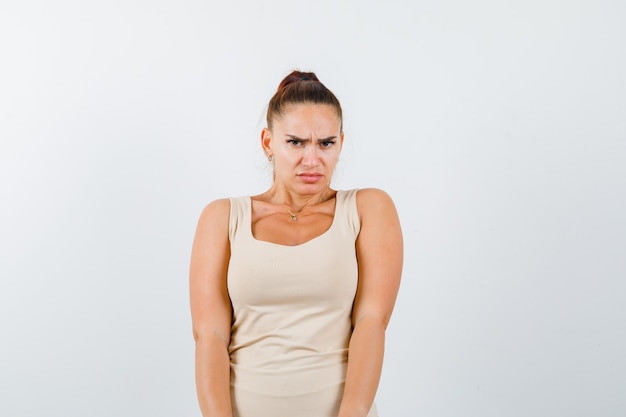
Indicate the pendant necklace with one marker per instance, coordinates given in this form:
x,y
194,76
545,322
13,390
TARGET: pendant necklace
x,y
294,216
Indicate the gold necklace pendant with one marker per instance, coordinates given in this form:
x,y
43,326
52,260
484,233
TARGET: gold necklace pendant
x,y
292,215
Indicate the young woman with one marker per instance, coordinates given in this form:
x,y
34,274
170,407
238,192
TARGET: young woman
x,y
292,289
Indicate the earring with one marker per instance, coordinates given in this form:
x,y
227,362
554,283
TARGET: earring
x,y
270,157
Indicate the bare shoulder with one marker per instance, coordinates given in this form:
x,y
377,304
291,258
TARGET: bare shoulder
x,y
215,214
373,202
372,194
217,207
212,227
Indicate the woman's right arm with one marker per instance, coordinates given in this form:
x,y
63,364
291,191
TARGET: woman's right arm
x,y
211,309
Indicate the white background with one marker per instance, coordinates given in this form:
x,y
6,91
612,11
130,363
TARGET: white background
x,y
499,128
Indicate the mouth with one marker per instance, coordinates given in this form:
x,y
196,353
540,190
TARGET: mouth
x,y
310,177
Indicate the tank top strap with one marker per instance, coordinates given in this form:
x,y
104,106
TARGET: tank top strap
x,y
239,216
347,210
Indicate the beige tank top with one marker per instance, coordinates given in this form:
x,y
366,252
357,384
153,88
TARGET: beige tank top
x,y
292,309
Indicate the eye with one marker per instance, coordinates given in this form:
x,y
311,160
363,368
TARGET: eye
x,y
327,143
294,142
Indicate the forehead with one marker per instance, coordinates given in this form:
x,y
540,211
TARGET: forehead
x,y
309,116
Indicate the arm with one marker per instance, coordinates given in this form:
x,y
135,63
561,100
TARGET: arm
x,y
379,254
211,309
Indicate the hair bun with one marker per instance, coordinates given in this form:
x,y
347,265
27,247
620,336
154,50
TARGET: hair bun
x,y
300,87
296,76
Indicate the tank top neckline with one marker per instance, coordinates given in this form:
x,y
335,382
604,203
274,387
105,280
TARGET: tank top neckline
x,y
320,236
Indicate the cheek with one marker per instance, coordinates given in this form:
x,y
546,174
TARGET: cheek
x,y
332,155
284,164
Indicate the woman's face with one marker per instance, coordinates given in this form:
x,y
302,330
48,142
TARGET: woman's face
x,y
305,144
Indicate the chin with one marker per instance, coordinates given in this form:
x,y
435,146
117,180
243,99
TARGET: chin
x,y
312,188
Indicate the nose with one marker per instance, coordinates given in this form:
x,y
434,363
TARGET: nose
x,y
310,158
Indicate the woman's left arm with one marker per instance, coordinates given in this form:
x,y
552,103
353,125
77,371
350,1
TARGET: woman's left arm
x,y
379,253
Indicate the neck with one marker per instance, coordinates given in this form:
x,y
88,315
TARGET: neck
x,y
297,202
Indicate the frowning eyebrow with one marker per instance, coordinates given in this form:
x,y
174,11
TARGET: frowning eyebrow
x,y
293,137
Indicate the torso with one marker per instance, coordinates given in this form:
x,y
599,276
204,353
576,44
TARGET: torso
x,y
292,303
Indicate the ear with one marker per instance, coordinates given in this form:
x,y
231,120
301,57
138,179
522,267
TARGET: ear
x,y
341,140
266,140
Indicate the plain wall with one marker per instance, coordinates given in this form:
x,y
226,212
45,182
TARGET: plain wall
x,y
499,129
